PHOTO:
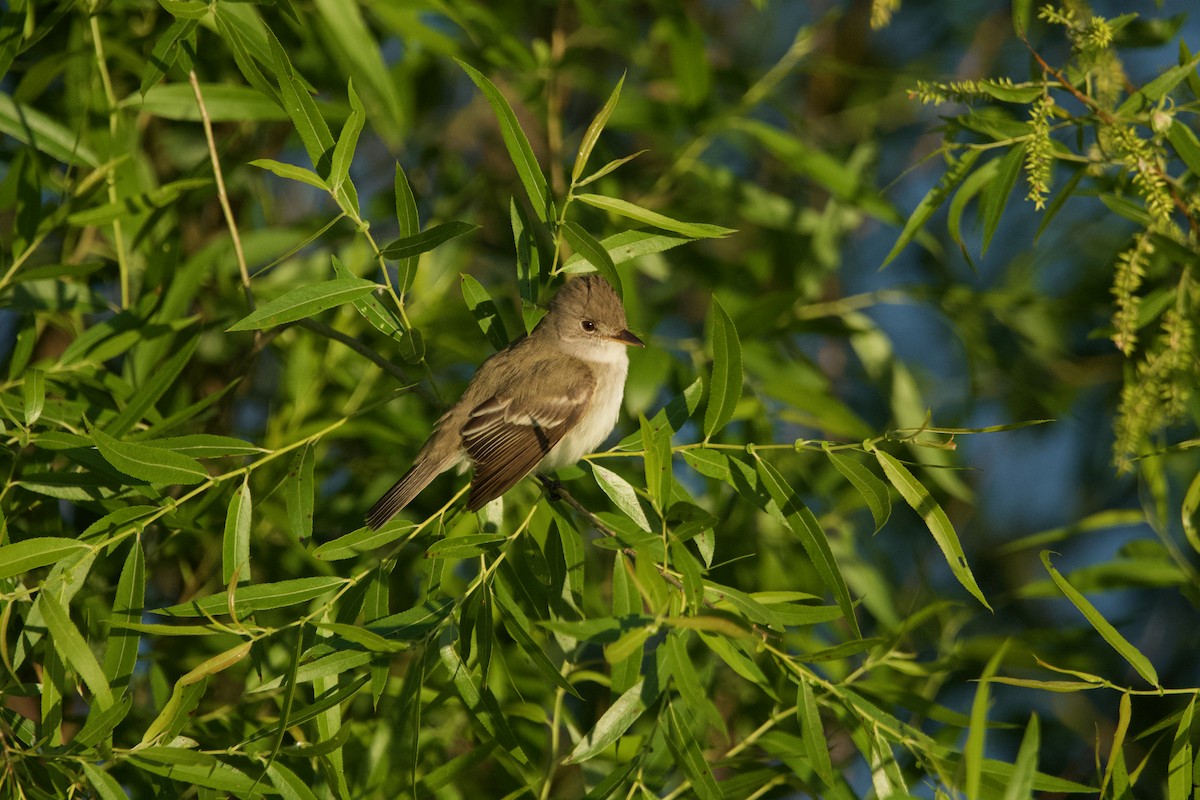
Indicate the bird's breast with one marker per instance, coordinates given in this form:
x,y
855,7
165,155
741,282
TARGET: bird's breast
x,y
597,422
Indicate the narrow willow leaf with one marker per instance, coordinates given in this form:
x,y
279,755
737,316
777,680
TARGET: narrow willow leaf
x,y
457,548
1110,634
686,680
1179,768
235,548
1191,514
106,785
289,785
737,660
343,151
426,240
977,731
484,310
1157,89
303,302
224,103
120,654
373,311
257,597
155,386
621,493
623,208
674,415
1116,752
1183,139
1020,785
291,172
517,144
917,496
594,253
362,540
725,386
592,134
35,395
626,603
409,226
873,490
218,663
70,644
300,106
813,731
932,200
45,134
149,464
688,757
191,767
142,203
804,524
479,701
995,196
611,166
659,480
518,624
299,492
204,445
529,266
611,725
1021,13
626,246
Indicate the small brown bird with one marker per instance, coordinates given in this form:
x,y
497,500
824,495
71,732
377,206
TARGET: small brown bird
x,y
539,404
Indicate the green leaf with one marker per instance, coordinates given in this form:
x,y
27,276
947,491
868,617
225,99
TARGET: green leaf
x,y
120,655
1020,785
456,548
933,199
299,105
303,302
977,731
479,700
1157,89
129,206
224,103
106,785
519,626
257,597
623,208
1191,513
235,549
673,415
996,195
804,524
409,225
362,540
626,246
813,731
1110,634
687,681
193,768
46,135
34,391
343,151
594,253
1179,768
621,493
592,134
21,557
725,386
518,147
299,492
151,464
611,725
291,172
484,310
688,757
873,490
659,480
1021,14
70,644
1183,139
426,240
204,445
156,385
917,496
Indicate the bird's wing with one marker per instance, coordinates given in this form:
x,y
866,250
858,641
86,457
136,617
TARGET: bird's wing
x,y
508,434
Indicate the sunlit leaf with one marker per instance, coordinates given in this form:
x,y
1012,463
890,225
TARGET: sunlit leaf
x,y
304,301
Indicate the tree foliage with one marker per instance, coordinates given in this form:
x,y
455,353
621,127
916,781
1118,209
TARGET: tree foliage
x,y
251,251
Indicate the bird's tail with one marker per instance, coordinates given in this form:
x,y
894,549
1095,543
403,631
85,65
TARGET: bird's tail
x,y
405,489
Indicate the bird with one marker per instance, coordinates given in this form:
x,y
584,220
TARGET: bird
x,y
539,404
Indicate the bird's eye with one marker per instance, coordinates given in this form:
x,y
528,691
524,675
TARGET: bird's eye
x,y
588,325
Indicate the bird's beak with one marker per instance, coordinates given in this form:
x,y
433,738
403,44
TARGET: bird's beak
x,y
627,338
